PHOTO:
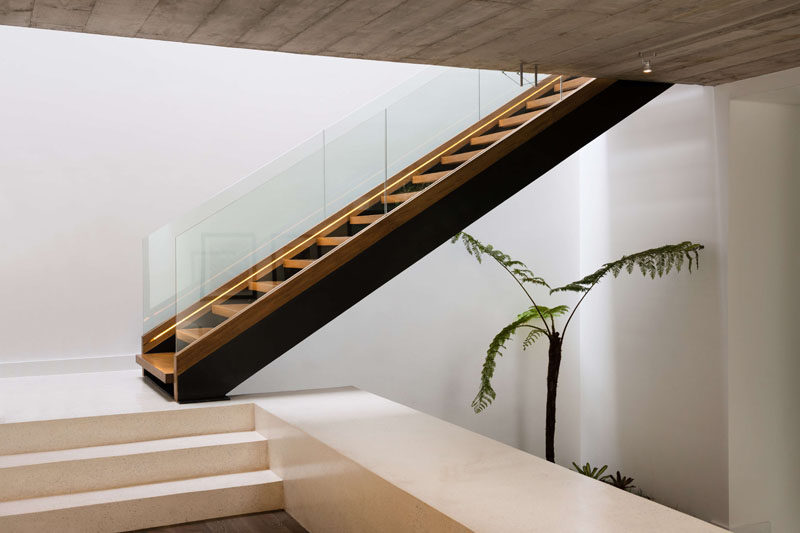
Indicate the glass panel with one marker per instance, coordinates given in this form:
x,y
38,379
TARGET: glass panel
x,y
159,247
434,113
159,277
249,229
497,88
188,263
355,161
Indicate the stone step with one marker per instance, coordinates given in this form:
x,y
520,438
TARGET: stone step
x,y
146,506
39,474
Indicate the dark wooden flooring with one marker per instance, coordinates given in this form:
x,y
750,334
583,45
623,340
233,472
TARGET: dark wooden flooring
x,y
272,522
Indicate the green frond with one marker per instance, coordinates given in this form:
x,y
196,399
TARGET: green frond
x,y
532,337
653,262
518,269
486,393
590,471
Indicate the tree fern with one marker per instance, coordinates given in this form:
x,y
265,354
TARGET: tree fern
x,y
486,393
517,269
656,261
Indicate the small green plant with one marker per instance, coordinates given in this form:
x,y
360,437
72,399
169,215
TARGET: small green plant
x,y
589,470
619,481
539,322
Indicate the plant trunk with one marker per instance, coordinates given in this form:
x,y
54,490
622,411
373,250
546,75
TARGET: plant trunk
x,y
553,366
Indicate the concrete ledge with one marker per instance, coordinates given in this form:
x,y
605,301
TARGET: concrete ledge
x,y
321,441
350,460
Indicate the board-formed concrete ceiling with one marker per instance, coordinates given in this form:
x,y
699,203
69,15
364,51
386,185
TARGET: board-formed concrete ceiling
x,y
696,41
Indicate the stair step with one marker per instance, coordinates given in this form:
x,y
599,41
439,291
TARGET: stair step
x,y
227,310
430,177
39,474
161,365
491,138
191,334
568,85
59,434
331,241
146,506
399,198
364,219
459,158
547,100
263,286
519,119
297,263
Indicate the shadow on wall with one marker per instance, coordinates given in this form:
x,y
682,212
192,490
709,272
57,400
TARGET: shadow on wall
x,y
652,353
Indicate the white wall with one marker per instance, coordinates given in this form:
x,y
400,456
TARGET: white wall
x,y
652,358
764,340
105,139
421,338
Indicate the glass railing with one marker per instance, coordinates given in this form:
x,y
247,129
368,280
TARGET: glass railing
x,y
188,260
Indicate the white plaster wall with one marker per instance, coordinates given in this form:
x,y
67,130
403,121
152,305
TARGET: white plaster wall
x,y
764,340
653,375
105,139
421,338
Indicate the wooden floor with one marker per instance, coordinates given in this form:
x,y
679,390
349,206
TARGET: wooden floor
x,y
272,522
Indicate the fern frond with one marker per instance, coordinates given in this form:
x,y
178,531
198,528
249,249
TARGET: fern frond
x,y
518,269
486,393
653,262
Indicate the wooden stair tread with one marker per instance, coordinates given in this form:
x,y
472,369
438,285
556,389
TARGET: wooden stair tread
x,y
430,177
489,139
459,158
331,241
364,219
227,310
399,198
297,263
191,334
519,119
568,85
546,100
161,365
263,286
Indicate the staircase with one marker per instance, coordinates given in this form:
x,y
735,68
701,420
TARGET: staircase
x,y
232,331
124,472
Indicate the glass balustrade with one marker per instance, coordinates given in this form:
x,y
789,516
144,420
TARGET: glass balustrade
x,y
198,261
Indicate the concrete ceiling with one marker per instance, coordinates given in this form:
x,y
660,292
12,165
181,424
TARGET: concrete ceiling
x,y
696,41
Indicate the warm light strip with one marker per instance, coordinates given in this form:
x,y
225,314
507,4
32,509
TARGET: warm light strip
x,y
361,206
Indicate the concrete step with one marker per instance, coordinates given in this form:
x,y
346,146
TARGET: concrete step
x,y
33,475
68,433
146,506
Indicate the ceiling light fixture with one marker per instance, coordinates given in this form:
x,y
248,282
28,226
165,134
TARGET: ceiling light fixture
x,y
647,66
